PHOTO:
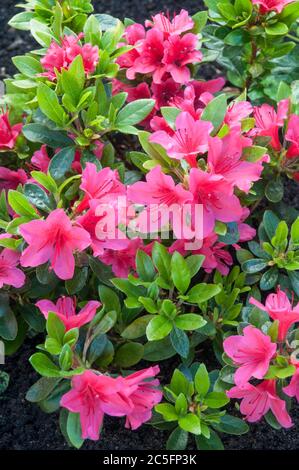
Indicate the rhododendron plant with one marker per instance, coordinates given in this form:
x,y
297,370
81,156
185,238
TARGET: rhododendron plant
x,y
144,223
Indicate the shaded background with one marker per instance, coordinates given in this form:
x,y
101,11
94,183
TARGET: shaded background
x,y
22,424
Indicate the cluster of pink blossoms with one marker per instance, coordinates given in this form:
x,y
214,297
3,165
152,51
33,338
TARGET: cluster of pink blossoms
x,y
60,57
267,6
93,395
252,354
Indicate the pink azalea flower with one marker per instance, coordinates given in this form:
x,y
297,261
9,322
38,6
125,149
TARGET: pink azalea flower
x,y
92,396
142,394
60,57
216,196
292,390
225,159
65,309
10,275
179,24
189,139
279,308
258,400
150,59
216,256
158,192
158,189
40,159
268,121
271,5
246,233
292,136
165,92
103,185
179,52
134,34
89,221
209,86
8,133
122,261
236,112
10,179
251,352
56,241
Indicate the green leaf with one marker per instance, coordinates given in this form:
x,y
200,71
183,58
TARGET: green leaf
x,y
38,197
270,223
145,267
44,366
129,354
167,411
73,79
134,112
202,292
277,29
231,425
41,389
148,304
42,134
161,259
76,284
170,113
294,278
194,263
216,399
254,265
274,190
109,299
49,104
55,327
179,383
8,326
20,205
215,111
180,272
177,440
189,321
27,65
107,322
202,380
61,162
213,443
158,350
158,328
269,279
21,20
4,381
137,328
295,232
74,431
190,423
180,342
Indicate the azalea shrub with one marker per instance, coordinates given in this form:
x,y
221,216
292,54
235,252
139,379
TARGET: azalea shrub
x,y
145,232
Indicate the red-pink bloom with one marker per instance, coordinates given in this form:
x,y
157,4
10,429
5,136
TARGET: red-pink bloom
x,y
56,242
251,352
292,136
8,133
158,189
92,396
279,308
216,256
179,24
190,138
292,390
258,400
165,92
133,35
236,112
179,52
217,197
271,5
150,59
65,309
40,159
142,394
113,239
268,121
123,261
10,275
225,159
60,57
246,232
10,179
103,185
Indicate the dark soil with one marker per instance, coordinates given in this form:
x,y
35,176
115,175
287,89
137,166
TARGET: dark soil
x,y
23,426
